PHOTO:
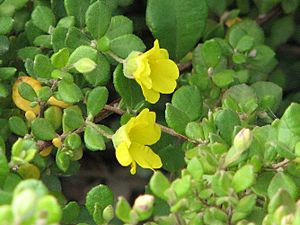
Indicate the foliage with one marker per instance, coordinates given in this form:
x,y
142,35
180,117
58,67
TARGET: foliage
x,y
213,88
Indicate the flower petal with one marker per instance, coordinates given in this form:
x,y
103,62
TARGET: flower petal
x,y
144,156
150,95
156,53
164,74
145,131
123,155
142,73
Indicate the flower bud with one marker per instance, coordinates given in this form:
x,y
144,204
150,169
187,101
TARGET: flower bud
x,y
143,206
30,116
46,151
243,139
57,142
108,213
130,64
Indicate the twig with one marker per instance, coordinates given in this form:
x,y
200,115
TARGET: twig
x,y
99,130
276,11
290,49
163,128
185,66
281,164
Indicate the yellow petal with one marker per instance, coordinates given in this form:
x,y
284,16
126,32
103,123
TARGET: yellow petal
x,y
142,72
156,53
150,95
145,131
144,156
164,74
123,155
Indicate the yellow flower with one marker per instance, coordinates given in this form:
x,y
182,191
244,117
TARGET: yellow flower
x,y
131,142
153,71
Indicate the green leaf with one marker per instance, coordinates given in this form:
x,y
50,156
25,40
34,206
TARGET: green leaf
x,y
262,56
245,27
6,24
125,44
159,184
225,121
66,22
42,66
50,205
243,178
77,8
4,44
172,158
43,41
281,31
283,181
211,53
70,212
217,6
93,139
245,43
128,89
42,129
195,168
97,19
176,118
194,131
289,6
4,92
72,119
60,58
76,38
27,92
223,78
193,107
4,168
243,96
181,29
28,52
82,52
101,74
18,126
119,25
281,198
181,186
69,92
73,141
96,100
62,160
54,115
43,18
123,210
98,198
289,125
269,95
58,38
32,31
85,65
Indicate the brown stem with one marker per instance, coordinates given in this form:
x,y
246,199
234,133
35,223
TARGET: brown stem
x,y
290,49
163,128
281,164
276,11
185,66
